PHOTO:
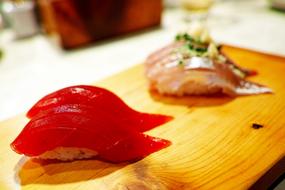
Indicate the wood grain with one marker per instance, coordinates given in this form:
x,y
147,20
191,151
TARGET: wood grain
x,y
214,144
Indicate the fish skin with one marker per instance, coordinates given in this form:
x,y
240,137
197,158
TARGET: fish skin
x,y
197,75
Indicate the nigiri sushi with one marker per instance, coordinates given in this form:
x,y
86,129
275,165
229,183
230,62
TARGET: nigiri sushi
x,y
194,65
83,121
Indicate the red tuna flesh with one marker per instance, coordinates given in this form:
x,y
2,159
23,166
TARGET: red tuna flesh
x,y
75,121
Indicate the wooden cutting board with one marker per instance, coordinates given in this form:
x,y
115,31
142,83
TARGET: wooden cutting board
x,y
214,144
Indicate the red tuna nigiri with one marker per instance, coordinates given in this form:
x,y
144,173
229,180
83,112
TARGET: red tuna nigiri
x,y
72,124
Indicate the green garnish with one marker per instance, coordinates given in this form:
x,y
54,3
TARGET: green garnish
x,y
194,46
190,46
181,62
185,37
178,37
201,49
188,38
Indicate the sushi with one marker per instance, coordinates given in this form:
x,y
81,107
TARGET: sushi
x,y
83,121
194,65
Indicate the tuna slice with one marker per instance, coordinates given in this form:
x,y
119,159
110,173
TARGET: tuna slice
x,y
85,121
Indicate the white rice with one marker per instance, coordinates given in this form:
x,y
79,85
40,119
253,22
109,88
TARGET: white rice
x,y
68,153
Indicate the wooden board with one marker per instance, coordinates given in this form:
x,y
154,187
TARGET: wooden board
x,y
214,144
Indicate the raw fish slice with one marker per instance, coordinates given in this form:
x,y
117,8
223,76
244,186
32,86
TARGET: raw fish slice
x,y
163,53
133,148
100,101
145,122
178,70
140,122
73,129
232,63
99,98
106,130
34,143
50,131
83,121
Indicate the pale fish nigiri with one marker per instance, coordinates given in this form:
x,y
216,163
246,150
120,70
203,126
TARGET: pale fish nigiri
x,y
194,65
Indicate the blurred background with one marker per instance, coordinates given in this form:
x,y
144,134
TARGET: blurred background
x,y
49,44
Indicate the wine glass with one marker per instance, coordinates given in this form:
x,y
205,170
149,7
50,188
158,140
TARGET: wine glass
x,y
196,10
